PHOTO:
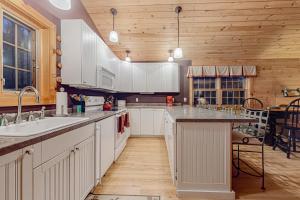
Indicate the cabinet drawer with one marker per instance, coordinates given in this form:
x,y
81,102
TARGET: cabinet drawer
x,y
56,145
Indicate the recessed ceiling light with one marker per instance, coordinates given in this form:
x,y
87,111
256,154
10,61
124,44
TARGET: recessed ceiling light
x,y
61,4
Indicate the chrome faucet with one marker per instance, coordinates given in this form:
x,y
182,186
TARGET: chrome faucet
x,y
22,92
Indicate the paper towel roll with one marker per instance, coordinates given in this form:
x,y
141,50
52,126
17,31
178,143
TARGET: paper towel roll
x,y
61,103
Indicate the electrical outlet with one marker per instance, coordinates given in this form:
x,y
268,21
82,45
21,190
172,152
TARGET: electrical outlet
x,y
136,99
184,99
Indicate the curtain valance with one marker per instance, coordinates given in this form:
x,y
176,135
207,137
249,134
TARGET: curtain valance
x,y
221,71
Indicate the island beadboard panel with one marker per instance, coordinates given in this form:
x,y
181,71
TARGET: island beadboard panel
x,y
273,75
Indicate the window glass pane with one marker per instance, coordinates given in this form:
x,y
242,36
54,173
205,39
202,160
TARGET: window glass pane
x,y
24,37
230,101
8,30
224,101
236,101
236,93
9,76
230,94
8,55
213,101
24,59
24,79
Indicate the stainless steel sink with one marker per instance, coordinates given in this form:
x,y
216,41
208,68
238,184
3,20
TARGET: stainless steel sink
x,y
40,126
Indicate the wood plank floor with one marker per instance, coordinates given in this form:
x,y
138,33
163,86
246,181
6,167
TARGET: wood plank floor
x,y
143,169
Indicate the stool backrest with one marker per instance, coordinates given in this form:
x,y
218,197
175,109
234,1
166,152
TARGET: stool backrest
x,y
253,103
259,128
292,114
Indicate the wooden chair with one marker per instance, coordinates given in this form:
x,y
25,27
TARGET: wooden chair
x,y
253,104
251,135
286,138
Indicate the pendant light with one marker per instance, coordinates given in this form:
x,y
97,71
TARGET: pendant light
x,y
61,4
170,59
113,35
178,51
127,59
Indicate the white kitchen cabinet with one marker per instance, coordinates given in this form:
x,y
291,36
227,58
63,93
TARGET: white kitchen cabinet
x,y
135,121
147,122
78,53
158,121
139,74
154,77
16,175
10,176
52,180
125,77
170,77
107,143
84,168
170,143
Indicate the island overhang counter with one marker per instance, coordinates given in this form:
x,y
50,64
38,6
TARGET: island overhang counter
x,y
202,151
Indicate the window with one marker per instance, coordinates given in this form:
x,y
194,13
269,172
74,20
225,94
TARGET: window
x,y
205,87
233,90
18,54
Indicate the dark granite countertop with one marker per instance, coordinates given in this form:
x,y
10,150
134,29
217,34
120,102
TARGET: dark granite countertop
x,y
10,144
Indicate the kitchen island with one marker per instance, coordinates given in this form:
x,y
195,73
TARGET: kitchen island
x,y
199,148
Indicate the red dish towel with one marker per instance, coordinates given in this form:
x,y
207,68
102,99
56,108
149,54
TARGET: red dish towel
x,y
121,126
127,121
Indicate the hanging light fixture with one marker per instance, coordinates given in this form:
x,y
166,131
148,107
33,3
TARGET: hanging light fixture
x,y
127,59
61,4
171,59
178,51
113,35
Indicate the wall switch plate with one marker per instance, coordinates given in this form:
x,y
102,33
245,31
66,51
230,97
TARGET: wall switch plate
x,y
136,99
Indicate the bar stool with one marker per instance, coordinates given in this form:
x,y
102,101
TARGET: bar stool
x,y
291,125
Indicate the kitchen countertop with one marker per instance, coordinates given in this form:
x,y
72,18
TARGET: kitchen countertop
x,y
10,144
178,113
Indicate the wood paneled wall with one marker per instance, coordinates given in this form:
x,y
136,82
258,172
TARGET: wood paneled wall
x,y
273,75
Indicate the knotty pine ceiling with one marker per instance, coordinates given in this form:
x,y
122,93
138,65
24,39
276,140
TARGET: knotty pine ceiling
x,y
210,29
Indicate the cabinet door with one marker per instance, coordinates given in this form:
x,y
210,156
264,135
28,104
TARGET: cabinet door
x,y
10,176
88,56
97,153
84,168
139,77
147,122
159,122
107,143
52,179
135,121
171,77
125,77
154,77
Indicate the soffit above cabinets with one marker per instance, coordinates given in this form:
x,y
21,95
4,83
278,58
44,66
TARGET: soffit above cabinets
x,y
231,29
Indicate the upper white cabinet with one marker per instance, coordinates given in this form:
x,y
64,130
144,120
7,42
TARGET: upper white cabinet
x,y
125,77
139,74
155,77
79,53
170,77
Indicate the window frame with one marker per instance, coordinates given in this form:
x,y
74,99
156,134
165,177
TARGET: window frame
x,y
204,89
45,54
219,90
17,22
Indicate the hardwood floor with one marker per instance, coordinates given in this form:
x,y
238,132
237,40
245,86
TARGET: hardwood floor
x,y
143,169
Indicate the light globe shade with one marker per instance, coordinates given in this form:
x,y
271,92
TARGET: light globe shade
x,y
170,59
61,4
113,36
178,53
128,59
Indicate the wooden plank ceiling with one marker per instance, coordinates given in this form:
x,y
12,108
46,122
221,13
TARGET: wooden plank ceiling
x,y
210,29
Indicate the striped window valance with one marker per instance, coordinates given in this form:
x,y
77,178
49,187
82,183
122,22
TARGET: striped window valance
x,y
221,71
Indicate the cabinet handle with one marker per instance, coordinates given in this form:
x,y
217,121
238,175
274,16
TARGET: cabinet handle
x,y
72,151
29,151
77,149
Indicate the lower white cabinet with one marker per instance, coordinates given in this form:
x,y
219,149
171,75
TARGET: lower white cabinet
x,y
135,121
107,143
69,172
170,143
147,121
83,168
52,180
16,175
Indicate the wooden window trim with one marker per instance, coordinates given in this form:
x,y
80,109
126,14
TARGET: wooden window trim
x,y
45,58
